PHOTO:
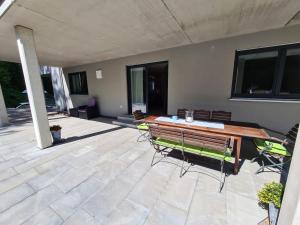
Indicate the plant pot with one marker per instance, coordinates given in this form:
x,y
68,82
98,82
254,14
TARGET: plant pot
x,y
56,135
273,214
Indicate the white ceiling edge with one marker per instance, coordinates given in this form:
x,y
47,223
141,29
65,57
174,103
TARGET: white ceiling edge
x,y
5,6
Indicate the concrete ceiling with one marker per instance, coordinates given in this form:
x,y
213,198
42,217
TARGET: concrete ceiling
x,y
70,32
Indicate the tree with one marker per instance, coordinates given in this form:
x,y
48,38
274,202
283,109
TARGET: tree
x,y
12,83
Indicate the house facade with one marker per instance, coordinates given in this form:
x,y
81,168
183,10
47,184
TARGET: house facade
x,y
200,76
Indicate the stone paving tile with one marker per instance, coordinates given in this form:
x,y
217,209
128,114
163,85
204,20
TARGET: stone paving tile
x,y
14,181
244,185
45,217
11,163
54,152
4,174
208,207
41,181
9,150
109,179
165,214
30,206
72,178
243,211
15,195
82,151
33,163
149,189
105,201
127,213
84,160
21,151
36,153
53,164
132,155
137,169
109,154
81,218
68,204
179,191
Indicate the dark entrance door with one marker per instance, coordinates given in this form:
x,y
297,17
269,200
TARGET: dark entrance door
x,y
148,88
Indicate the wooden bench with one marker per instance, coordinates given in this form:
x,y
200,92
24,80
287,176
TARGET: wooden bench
x,y
203,144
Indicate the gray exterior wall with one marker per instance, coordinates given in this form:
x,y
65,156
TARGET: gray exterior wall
x,y
200,76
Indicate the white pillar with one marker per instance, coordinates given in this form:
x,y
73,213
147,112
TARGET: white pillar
x,y
31,71
3,112
69,102
290,208
58,88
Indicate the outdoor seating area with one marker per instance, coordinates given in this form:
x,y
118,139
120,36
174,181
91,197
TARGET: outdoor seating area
x,y
204,133
149,112
88,111
102,175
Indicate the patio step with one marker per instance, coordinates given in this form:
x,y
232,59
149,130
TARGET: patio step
x,y
124,122
125,118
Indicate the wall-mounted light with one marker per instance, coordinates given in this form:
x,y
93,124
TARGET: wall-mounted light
x,y
99,74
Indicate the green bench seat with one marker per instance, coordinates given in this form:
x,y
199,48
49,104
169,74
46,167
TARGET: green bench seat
x,y
196,150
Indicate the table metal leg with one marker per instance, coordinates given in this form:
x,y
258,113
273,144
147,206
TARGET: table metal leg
x,y
238,143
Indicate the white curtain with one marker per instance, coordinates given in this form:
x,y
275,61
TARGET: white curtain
x,y
137,89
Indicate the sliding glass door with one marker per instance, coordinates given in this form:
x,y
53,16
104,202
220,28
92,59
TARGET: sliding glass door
x,y
148,88
138,89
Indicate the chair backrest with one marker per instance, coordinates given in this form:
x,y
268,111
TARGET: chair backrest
x,y
221,115
292,134
138,115
206,140
181,113
201,115
91,102
187,137
167,133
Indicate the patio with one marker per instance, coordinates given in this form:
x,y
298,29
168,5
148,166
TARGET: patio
x,y
101,175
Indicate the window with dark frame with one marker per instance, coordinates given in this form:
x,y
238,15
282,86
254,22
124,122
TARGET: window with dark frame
x,y
78,83
267,73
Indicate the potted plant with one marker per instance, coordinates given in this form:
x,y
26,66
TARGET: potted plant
x,y
56,133
270,196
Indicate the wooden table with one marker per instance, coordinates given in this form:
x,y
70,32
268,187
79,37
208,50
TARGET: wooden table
x,y
237,130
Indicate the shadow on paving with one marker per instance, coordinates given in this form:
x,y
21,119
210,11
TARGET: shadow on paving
x,y
19,116
192,161
248,152
76,138
58,118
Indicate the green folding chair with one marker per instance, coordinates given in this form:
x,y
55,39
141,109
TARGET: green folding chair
x,y
142,127
277,152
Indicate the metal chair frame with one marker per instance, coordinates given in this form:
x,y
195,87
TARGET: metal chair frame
x,y
276,161
185,169
144,135
139,119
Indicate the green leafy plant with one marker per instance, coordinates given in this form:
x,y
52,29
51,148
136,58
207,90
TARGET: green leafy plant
x,y
12,83
55,128
271,193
